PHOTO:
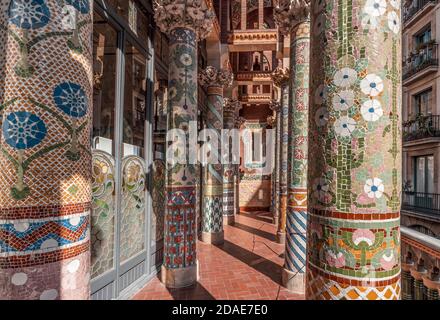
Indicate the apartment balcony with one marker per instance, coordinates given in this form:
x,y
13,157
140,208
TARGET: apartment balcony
x,y
421,127
420,202
417,8
253,40
254,76
420,64
256,97
420,261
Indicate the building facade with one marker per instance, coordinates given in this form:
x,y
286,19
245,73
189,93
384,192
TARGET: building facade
x,y
91,208
420,206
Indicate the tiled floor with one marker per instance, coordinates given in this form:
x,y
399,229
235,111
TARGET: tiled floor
x,y
247,266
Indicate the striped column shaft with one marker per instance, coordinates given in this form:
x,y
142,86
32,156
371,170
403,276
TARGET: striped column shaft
x,y
45,180
281,77
212,215
275,107
230,192
184,30
354,176
294,273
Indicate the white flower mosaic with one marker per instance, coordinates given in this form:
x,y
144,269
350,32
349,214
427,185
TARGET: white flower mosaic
x,y
372,85
345,77
374,188
344,126
371,110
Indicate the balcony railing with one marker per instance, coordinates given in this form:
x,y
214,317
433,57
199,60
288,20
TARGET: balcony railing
x,y
417,5
420,201
425,57
421,127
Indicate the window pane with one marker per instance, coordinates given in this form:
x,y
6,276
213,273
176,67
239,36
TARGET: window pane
x,y
103,213
420,174
430,175
133,164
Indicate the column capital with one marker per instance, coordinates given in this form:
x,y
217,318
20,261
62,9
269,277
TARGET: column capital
x,y
289,13
231,105
280,76
211,76
271,121
275,106
239,121
191,14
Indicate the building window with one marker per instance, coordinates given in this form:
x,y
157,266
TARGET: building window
x,y
424,174
422,37
422,102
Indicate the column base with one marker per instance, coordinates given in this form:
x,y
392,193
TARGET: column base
x,y
281,237
293,281
213,237
181,277
229,220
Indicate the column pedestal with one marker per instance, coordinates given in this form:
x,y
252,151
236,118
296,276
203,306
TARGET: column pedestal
x,y
180,277
229,220
281,237
213,237
293,281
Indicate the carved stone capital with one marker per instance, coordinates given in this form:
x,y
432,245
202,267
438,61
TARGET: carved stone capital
x,y
275,106
271,121
239,122
280,76
191,14
289,13
213,77
231,106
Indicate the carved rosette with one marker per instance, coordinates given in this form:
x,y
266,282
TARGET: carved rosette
x,y
288,14
280,76
191,14
211,77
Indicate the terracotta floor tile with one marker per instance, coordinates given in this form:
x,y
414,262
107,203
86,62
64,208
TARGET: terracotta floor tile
x,y
247,266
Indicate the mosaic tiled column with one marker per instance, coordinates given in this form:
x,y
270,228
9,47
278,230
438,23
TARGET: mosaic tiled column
x,y
239,121
280,77
354,175
229,175
213,195
271,121
185,23
276,108
294,19
45,180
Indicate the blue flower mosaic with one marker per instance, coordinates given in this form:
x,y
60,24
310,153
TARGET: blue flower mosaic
x,y
23,130
82,6
71,99
29,14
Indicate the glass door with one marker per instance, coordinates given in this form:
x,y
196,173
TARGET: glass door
x,y
122,147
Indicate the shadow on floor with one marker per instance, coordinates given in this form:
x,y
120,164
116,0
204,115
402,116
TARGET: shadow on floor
x,y
194,292
262,265
267,235
261,216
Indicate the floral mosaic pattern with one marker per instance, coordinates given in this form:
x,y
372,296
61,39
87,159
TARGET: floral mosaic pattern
x,y
36,136
159,199
180,220
30,17
103,213
133,207
355,143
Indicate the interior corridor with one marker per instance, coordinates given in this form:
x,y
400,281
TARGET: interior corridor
x,y
247,266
